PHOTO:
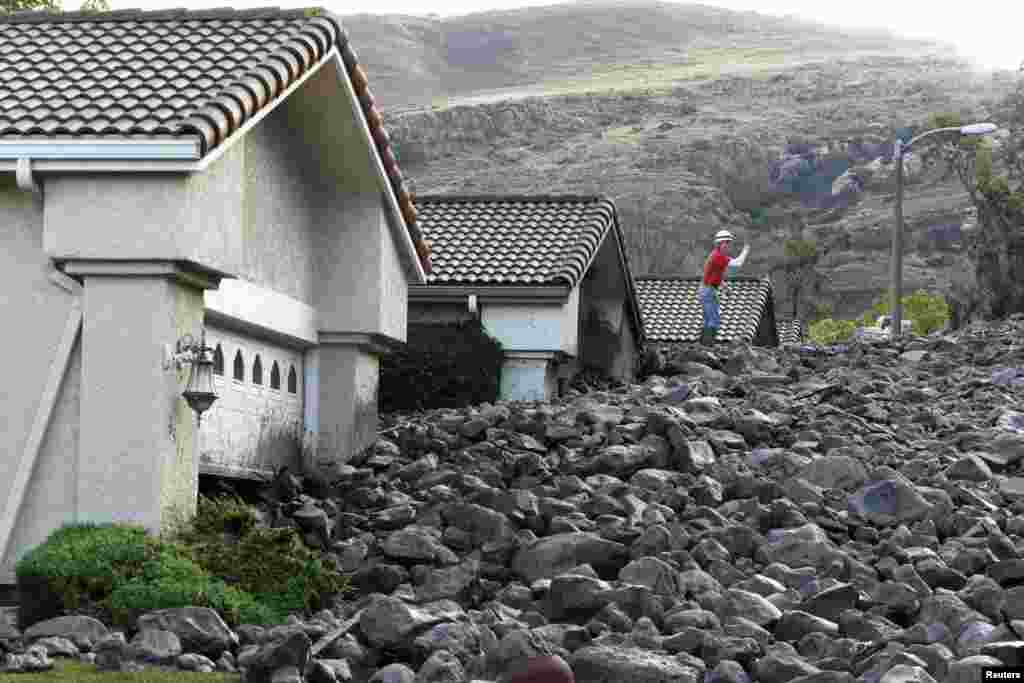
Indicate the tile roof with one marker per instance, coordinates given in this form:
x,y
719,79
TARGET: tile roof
x,y
174,73
520,240
506,240
790,331
671,311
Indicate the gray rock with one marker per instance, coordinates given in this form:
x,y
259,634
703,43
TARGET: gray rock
x,y
888,502
548,557
195,662
795,624
200,629
59,647
388,622
154,646
782,668
441,667
903,673
612,663
968,669
835,472
276,660
653,573
110,652
80,630
394,673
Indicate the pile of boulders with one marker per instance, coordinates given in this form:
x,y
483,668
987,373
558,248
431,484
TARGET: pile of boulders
x,y
800,514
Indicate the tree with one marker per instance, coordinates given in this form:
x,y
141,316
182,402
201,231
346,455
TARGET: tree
x,y
994,179
8,6
799,271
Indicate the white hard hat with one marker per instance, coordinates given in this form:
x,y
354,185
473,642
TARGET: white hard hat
x,y
724,236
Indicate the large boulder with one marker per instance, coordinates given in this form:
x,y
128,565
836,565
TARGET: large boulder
x,y
200,629
548,557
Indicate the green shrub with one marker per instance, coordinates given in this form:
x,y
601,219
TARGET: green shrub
x,y
929,312
272,565
219,559
117,571
443,365
174,580
828,331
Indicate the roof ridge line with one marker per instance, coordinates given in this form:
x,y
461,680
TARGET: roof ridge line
x,y
175,14
689,278
551,198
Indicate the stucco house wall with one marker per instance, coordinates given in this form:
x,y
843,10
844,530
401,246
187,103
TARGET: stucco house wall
x,y
42,310
604,290
314,248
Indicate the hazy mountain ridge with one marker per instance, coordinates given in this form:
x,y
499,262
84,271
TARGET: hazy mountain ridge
x,y
684,137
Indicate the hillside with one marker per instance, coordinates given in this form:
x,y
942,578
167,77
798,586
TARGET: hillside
x,y
691,118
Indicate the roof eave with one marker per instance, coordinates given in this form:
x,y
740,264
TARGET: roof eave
x,y
179,149
616,231
485,292
401,233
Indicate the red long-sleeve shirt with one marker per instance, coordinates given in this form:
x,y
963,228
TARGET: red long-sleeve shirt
x,y
714,267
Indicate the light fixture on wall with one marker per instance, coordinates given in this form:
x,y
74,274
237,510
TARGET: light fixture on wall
x,y
199,391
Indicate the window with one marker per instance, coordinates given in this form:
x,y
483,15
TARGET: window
x,y
218,361
257,370
275,377
293,381
239,369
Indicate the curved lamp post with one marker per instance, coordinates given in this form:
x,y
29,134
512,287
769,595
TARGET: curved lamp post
x,y
974,129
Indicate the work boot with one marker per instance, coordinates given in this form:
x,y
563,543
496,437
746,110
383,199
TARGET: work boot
x,y
705,336
712,335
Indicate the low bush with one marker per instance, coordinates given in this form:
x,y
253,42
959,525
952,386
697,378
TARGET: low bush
x,y
929,312
272,565
116,571
829,331
443,365
219,559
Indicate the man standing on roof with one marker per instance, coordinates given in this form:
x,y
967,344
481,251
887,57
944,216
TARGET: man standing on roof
x,y
716,266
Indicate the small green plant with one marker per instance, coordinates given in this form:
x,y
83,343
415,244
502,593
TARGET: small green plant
x,y
272,565
929,312
219,559
829,331
117,571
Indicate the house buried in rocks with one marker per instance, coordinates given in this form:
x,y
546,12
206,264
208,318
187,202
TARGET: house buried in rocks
x,y
547,276
671,311
166,173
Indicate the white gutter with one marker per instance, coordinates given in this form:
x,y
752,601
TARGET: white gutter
x,y
106,149
473,296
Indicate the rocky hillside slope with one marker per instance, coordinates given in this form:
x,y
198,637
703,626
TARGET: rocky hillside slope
x,y
780,516
717,119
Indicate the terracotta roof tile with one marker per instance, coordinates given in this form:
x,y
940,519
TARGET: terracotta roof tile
x,y
790,331
536,240
170,72
671,311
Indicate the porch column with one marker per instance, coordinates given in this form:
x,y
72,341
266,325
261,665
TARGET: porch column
x,y
347,392
138,446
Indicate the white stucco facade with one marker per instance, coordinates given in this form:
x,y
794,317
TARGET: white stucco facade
x,y
286,247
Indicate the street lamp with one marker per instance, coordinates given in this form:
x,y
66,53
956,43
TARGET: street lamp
x,y
974,129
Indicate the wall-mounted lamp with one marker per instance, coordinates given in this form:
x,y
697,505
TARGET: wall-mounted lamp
x,y
199,391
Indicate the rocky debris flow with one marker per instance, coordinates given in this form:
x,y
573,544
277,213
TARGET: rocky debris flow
x,y
843,515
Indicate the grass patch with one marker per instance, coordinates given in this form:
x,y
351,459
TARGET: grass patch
x,y
625,134
702,64
77,672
